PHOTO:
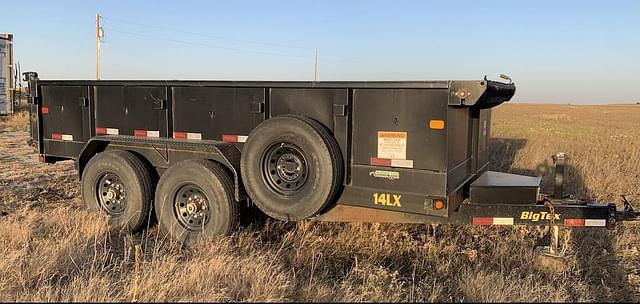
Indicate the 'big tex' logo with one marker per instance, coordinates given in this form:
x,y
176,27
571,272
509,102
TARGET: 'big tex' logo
x,y
538,216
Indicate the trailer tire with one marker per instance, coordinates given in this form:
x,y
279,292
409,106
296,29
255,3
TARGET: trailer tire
x,y
119,185
292,167
194,199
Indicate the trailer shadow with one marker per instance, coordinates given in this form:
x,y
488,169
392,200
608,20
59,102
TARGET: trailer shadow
x,y
592,253
502,158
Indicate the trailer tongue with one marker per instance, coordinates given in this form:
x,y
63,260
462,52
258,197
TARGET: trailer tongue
x,y
507,199
395,151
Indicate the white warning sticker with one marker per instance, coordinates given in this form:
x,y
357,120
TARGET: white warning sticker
x,y
392,145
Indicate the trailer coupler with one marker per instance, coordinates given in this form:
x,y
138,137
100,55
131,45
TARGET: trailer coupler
x,y
554,249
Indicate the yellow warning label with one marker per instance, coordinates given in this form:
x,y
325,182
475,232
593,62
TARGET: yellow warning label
x,y
392,145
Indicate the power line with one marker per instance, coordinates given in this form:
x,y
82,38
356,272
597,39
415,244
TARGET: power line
x,y
208,35
81,45
203,44
355,63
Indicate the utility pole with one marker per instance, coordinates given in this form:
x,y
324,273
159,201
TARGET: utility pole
x,y
99,35
315,66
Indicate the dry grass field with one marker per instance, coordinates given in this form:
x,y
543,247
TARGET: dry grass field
x,y
52,250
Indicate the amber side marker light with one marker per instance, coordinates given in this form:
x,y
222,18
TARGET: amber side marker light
x,y
436,124
438,204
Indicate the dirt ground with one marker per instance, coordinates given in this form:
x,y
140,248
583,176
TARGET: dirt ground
x,y
53,250
23,180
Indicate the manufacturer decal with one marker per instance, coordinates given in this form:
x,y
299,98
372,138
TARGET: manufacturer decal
x,y
538,216
390,175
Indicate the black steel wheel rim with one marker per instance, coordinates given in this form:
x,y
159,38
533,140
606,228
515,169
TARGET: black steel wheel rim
x,y
191,207
111,194
285,168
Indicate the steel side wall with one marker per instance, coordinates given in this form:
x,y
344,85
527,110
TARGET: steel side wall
x,y
443,159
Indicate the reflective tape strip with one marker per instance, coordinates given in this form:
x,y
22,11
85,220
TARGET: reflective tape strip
x,y
230,138
482,220
194,136
595,223
380,161
574,222
107,131
187,135
145,133
58,136
477,220
503,221
234,138
585,222
402,163
140,133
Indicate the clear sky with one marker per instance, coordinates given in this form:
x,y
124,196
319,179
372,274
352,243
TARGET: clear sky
x,y
556,51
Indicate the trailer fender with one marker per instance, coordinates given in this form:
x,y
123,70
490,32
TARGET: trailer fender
x,y
227,155
91,148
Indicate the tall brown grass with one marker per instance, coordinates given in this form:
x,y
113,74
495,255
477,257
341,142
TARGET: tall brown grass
x,y
55,251
19,120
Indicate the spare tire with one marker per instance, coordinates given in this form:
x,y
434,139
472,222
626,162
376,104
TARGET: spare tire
x,y
291,167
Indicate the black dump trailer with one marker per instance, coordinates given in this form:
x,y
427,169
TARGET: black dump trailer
x,y
193,151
